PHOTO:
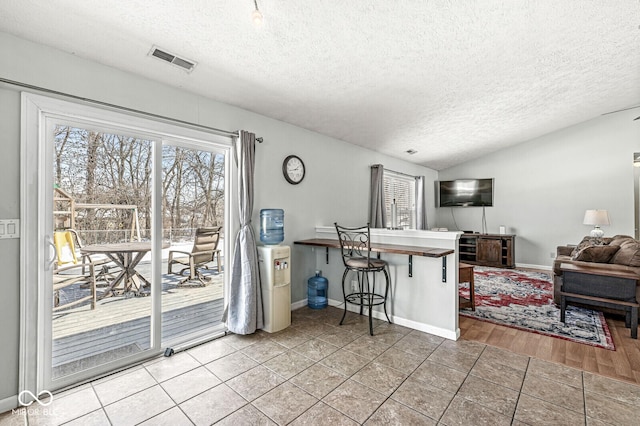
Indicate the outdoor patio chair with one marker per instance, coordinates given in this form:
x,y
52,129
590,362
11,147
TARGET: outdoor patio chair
x,y
68,271
68,246
205,248
69,275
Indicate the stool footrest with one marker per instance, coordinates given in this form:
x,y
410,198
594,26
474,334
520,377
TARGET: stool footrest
x,y
363,299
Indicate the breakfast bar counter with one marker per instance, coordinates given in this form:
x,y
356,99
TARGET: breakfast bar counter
x,y
388,248
381,248
423,266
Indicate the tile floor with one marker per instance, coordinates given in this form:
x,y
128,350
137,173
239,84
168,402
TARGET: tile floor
x,y
315,372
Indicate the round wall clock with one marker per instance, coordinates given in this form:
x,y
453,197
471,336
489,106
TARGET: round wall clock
x,y
293,169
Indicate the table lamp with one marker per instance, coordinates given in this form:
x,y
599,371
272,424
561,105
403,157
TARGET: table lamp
x,y
596,218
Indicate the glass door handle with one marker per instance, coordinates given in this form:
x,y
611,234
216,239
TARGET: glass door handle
x,y
52,251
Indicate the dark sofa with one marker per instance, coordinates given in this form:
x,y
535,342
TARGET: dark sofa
x,y
617,254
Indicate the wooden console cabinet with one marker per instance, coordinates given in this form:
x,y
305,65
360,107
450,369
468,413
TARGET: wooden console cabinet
x,y
488,250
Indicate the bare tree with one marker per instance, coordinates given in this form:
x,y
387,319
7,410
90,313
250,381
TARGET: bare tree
x,y
104,168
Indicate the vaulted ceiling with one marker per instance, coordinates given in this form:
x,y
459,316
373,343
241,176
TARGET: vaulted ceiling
x,y
452,80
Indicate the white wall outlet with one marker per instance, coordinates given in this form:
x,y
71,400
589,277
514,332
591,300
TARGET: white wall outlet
x,y
552,255
354,285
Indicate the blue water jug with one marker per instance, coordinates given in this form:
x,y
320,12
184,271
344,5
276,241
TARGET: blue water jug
x,y
317,291
271,226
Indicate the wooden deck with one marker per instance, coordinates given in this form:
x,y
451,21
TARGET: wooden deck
x,y
119,326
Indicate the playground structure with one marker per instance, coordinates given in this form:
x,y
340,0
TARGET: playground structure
x,y
65,211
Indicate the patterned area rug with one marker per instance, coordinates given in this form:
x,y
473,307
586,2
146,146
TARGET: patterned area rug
x,y
524,300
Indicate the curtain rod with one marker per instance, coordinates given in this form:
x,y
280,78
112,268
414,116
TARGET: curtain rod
x,y
403,174
94,101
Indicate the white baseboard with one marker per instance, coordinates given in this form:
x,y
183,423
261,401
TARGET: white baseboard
x,y
8,404
299,304
531,266
437,331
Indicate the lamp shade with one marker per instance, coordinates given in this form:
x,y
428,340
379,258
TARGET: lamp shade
x,y
596,217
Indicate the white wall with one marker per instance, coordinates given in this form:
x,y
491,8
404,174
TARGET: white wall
x,y
544,186
9,248
335,188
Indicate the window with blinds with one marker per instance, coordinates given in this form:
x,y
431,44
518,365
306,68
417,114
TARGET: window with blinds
x,y
402,189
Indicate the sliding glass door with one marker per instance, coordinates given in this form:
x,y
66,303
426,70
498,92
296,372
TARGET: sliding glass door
x,y
124,240
193,218
102,219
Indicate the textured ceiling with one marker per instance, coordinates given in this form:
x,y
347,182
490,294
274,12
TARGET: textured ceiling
x,y
453,80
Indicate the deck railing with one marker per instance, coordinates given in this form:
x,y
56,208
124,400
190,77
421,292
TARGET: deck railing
x,y
107,236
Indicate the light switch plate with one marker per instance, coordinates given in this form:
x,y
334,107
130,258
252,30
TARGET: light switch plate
x,y
9,228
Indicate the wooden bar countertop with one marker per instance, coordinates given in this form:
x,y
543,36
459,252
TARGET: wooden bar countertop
x,y
382,248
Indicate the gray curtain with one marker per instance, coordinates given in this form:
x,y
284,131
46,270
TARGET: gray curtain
x,y
421,204
377,211
243,314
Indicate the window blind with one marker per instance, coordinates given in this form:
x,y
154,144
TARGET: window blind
x,y
402,188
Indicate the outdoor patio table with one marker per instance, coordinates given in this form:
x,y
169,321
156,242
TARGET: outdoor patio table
x,y
126,256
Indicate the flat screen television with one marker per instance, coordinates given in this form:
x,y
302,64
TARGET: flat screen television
x,y
465,193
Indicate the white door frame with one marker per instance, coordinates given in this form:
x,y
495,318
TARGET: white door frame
x,y
36,226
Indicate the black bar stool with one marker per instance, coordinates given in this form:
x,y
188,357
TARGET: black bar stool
x,y
356,255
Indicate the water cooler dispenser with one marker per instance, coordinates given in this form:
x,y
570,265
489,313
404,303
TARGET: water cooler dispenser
x,y
275,272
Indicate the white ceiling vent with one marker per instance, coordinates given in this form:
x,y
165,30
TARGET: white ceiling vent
x,y
185,64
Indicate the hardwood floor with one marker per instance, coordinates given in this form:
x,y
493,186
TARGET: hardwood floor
x,y
622,364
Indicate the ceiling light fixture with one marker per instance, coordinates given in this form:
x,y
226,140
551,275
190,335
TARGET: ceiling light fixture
x,y
256,16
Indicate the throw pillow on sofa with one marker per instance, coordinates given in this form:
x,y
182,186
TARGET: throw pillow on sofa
x,y
619,239
629,253
596,254
590,242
